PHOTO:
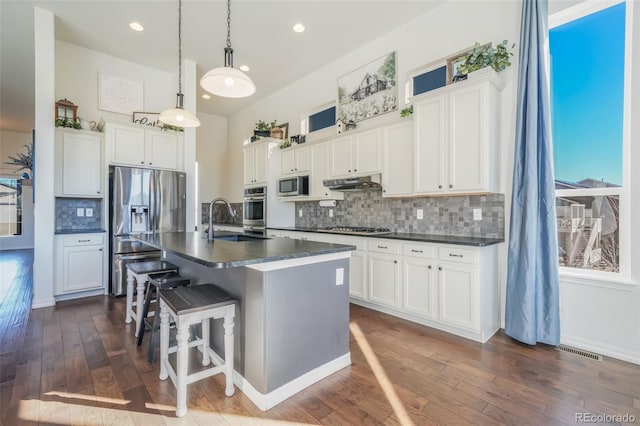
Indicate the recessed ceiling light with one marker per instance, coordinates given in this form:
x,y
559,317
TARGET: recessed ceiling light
x,y
136,26
299,28
206,96
244,68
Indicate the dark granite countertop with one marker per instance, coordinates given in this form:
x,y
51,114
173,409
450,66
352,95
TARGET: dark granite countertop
x,y
80,231
219,253
424,238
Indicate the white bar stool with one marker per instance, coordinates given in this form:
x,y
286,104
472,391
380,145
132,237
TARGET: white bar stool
x,y
188,306
138,272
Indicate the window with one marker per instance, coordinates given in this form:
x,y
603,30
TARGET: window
x,y
318,119
10,207
587,107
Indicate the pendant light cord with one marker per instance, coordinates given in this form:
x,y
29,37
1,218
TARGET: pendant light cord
x,y
179,46
228,23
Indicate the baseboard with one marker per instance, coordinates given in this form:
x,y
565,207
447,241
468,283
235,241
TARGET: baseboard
x,y
602,349
43,303
273,398
79,295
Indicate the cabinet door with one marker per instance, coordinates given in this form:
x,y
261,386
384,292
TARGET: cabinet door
x,y
248,164
302,162
366,152
288,164
128,145
457,288
429,121
384,279
358,274
468,160
319,171
420,290
82,268
163,150
397,173
260,174
340,157
81,164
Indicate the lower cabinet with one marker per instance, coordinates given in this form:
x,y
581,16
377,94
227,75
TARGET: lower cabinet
x,y
79,263
449,287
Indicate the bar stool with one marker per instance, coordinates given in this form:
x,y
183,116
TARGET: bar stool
x,y
159,281
192,305
139,272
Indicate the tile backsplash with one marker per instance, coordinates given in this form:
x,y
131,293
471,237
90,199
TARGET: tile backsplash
x,y
451,215
66,214
221,214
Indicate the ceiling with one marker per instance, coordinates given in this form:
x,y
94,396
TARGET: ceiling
x,y
261,36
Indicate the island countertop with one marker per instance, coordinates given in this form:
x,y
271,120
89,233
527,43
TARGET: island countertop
x,y
220,253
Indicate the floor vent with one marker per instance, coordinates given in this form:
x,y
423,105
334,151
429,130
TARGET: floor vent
x,y
579,352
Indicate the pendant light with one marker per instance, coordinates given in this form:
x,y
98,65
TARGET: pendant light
x,y
179,116
227,81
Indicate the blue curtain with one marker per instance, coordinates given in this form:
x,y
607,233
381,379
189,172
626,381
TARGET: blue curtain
x,y
532,305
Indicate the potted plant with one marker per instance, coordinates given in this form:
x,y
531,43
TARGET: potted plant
x,y
479,57
264,128
23,161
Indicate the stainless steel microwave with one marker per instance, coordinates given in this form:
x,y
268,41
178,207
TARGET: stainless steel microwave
x,y
295,185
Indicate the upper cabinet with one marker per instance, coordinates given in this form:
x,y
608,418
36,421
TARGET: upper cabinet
x,y
319,171
79,164
397,150
255,164
456,139
295,160
356,155
133,145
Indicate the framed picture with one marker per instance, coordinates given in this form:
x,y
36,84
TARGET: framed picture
x,y
147,118
119,95
456,59
368,91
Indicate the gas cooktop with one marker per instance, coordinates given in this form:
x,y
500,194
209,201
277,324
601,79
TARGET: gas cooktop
x,y
355,230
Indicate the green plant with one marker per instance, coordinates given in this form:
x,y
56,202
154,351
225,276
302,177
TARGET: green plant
x,y
285,144
25,161
485,56
261,125
165,126
406,112
66,122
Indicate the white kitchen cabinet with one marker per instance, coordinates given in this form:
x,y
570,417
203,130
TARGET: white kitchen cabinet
x,y
356,155
457,287
384,279
319,171
295,161
79,164
397,170
420,290
79,263
456,138
140,146
358,274
255,164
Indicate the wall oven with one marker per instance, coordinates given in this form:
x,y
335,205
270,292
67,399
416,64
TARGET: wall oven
x,y
255,210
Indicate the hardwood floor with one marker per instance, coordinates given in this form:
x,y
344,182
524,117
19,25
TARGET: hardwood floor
x,y
77,363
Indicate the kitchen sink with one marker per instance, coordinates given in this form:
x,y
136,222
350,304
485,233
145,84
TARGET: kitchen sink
x,y
238,237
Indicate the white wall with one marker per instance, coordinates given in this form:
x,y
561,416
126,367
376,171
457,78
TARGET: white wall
x,y
77,69
211,155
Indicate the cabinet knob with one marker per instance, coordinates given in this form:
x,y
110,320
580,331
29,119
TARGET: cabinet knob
x,y
429,267
439,268
100,249
349,170
150,164
326,194
97,192
142,162
439,186
450,186
395,261
355,170
384,190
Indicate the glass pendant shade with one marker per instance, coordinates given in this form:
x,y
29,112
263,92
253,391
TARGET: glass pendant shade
x,y
179,116
227,81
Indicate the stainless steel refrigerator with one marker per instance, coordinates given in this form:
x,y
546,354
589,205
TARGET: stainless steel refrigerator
x,y
141,200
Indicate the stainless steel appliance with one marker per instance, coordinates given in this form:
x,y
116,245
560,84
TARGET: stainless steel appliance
x,y
354,184
141,200
254,209
295,185
355,230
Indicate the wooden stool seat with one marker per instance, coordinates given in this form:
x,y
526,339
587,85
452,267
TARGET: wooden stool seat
x,y
138,272
192,305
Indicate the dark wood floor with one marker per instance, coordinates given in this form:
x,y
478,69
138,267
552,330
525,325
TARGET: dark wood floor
x,y
77,363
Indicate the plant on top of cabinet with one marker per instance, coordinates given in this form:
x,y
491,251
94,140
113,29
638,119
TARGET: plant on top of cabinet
x,y
497,58
263,128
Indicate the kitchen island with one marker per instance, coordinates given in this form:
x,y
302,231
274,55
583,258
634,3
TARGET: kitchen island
x,y
292,325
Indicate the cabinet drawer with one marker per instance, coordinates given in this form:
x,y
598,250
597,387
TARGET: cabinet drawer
x,y
384,246
82,240
418,250
460,255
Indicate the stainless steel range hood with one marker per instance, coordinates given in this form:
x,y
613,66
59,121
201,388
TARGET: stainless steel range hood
x,y
353,184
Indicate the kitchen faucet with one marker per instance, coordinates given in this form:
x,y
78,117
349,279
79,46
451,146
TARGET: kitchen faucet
x,y
231,212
